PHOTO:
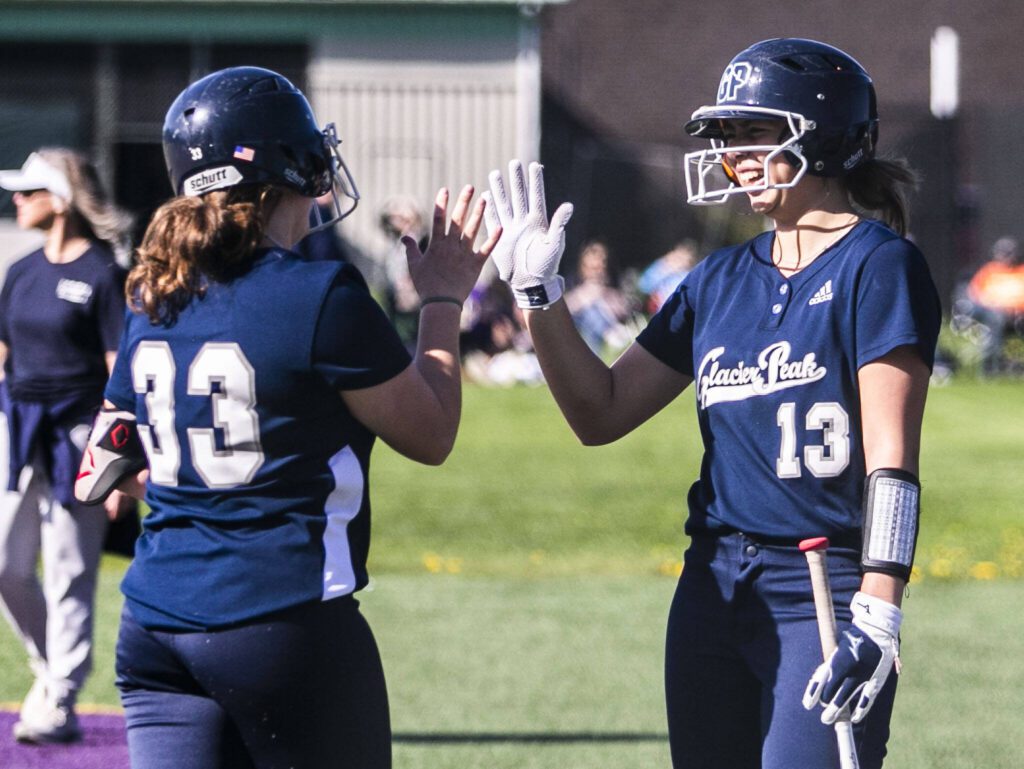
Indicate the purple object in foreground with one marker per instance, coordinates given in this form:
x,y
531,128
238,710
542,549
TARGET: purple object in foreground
x,y
102,746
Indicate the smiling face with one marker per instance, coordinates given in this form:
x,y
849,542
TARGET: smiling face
x,y
746,167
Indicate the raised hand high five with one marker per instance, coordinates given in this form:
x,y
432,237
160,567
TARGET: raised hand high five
x,y
530,248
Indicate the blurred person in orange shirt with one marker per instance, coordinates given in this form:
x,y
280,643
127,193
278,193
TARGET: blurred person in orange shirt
x,y
998,285
996,293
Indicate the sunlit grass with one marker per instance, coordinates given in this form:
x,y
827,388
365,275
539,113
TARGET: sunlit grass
x,y
520,591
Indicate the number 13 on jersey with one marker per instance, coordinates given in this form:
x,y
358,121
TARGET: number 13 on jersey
x,y
825,461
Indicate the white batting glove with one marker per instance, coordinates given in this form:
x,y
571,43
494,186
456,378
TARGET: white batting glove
x,y
857,670
530,248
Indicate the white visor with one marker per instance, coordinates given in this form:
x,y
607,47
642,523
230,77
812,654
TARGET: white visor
x,y
36,174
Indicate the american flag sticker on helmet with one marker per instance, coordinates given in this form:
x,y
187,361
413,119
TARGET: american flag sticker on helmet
x,y
245,153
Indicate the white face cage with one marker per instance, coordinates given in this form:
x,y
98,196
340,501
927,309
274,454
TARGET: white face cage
x,y
705,166
342,182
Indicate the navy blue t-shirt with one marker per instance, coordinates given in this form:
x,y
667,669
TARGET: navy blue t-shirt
x,y
775,364
258,483
58,321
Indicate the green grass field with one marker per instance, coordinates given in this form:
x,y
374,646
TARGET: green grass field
x,y
520,591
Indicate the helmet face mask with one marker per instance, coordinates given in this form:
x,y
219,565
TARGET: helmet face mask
x,y
342,185
824,97
702,165
247,125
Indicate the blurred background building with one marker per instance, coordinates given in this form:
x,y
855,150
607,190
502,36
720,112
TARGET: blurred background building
x,y
441,91
424,94
621,79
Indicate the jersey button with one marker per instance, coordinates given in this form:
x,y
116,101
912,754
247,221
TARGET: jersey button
x,y
751,550
784,289
776,309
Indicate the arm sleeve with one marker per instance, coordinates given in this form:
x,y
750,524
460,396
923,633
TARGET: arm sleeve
x,y
110,306
669,335
355,345
897,304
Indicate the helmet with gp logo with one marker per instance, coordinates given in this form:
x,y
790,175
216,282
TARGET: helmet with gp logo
x,y
823,98
248,125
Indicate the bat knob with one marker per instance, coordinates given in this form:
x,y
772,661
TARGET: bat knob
x,y
814,543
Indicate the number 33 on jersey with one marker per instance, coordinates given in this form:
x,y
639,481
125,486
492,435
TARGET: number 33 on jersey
x,y
220,372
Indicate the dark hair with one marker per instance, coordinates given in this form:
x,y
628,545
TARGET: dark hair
x,y
880,186
192,240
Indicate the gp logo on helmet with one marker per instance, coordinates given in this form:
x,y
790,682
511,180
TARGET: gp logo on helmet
x,y
736,75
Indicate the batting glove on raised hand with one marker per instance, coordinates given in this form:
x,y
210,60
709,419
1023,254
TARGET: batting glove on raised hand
x,y
857,670
530,248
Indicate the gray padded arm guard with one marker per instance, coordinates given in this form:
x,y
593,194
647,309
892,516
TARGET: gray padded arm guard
x,y
113,453
892,505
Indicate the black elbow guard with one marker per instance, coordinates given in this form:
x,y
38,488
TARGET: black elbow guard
x,y
892,506
114,452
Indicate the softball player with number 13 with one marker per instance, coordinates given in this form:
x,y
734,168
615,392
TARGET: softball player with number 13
x,y
810,347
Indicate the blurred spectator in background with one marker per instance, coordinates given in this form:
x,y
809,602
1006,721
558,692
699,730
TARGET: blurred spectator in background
x,y
496,350
994,298
662,276
61,313
598,306
400,216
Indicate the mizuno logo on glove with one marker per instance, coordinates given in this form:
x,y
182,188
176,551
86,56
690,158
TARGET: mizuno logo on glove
x,y
855,642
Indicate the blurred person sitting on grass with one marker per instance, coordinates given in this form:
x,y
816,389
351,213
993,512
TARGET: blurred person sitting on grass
x,y
599,308
995,295
661,277
61,314
495,348
399,218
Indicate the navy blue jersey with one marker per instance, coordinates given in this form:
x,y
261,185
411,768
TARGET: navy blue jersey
x,y
775,363
258,472
58,321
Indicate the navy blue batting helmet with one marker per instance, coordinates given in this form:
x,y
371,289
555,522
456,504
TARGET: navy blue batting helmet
x,y
246,125
825,97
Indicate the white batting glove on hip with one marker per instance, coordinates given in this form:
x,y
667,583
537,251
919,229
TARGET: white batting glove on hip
x,y
857,670
528,253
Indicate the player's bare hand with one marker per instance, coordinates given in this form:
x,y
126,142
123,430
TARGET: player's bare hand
x,y
451,264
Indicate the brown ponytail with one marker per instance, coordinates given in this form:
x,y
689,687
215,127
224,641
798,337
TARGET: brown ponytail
x,y
191,240
880,186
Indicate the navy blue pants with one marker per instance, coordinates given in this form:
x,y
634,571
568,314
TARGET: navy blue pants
x,y
300,689
742,643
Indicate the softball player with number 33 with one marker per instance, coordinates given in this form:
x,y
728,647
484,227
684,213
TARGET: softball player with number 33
x,y
810,347
251,385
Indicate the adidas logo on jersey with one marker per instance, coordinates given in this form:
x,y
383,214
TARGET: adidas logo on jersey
x,y
823,294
